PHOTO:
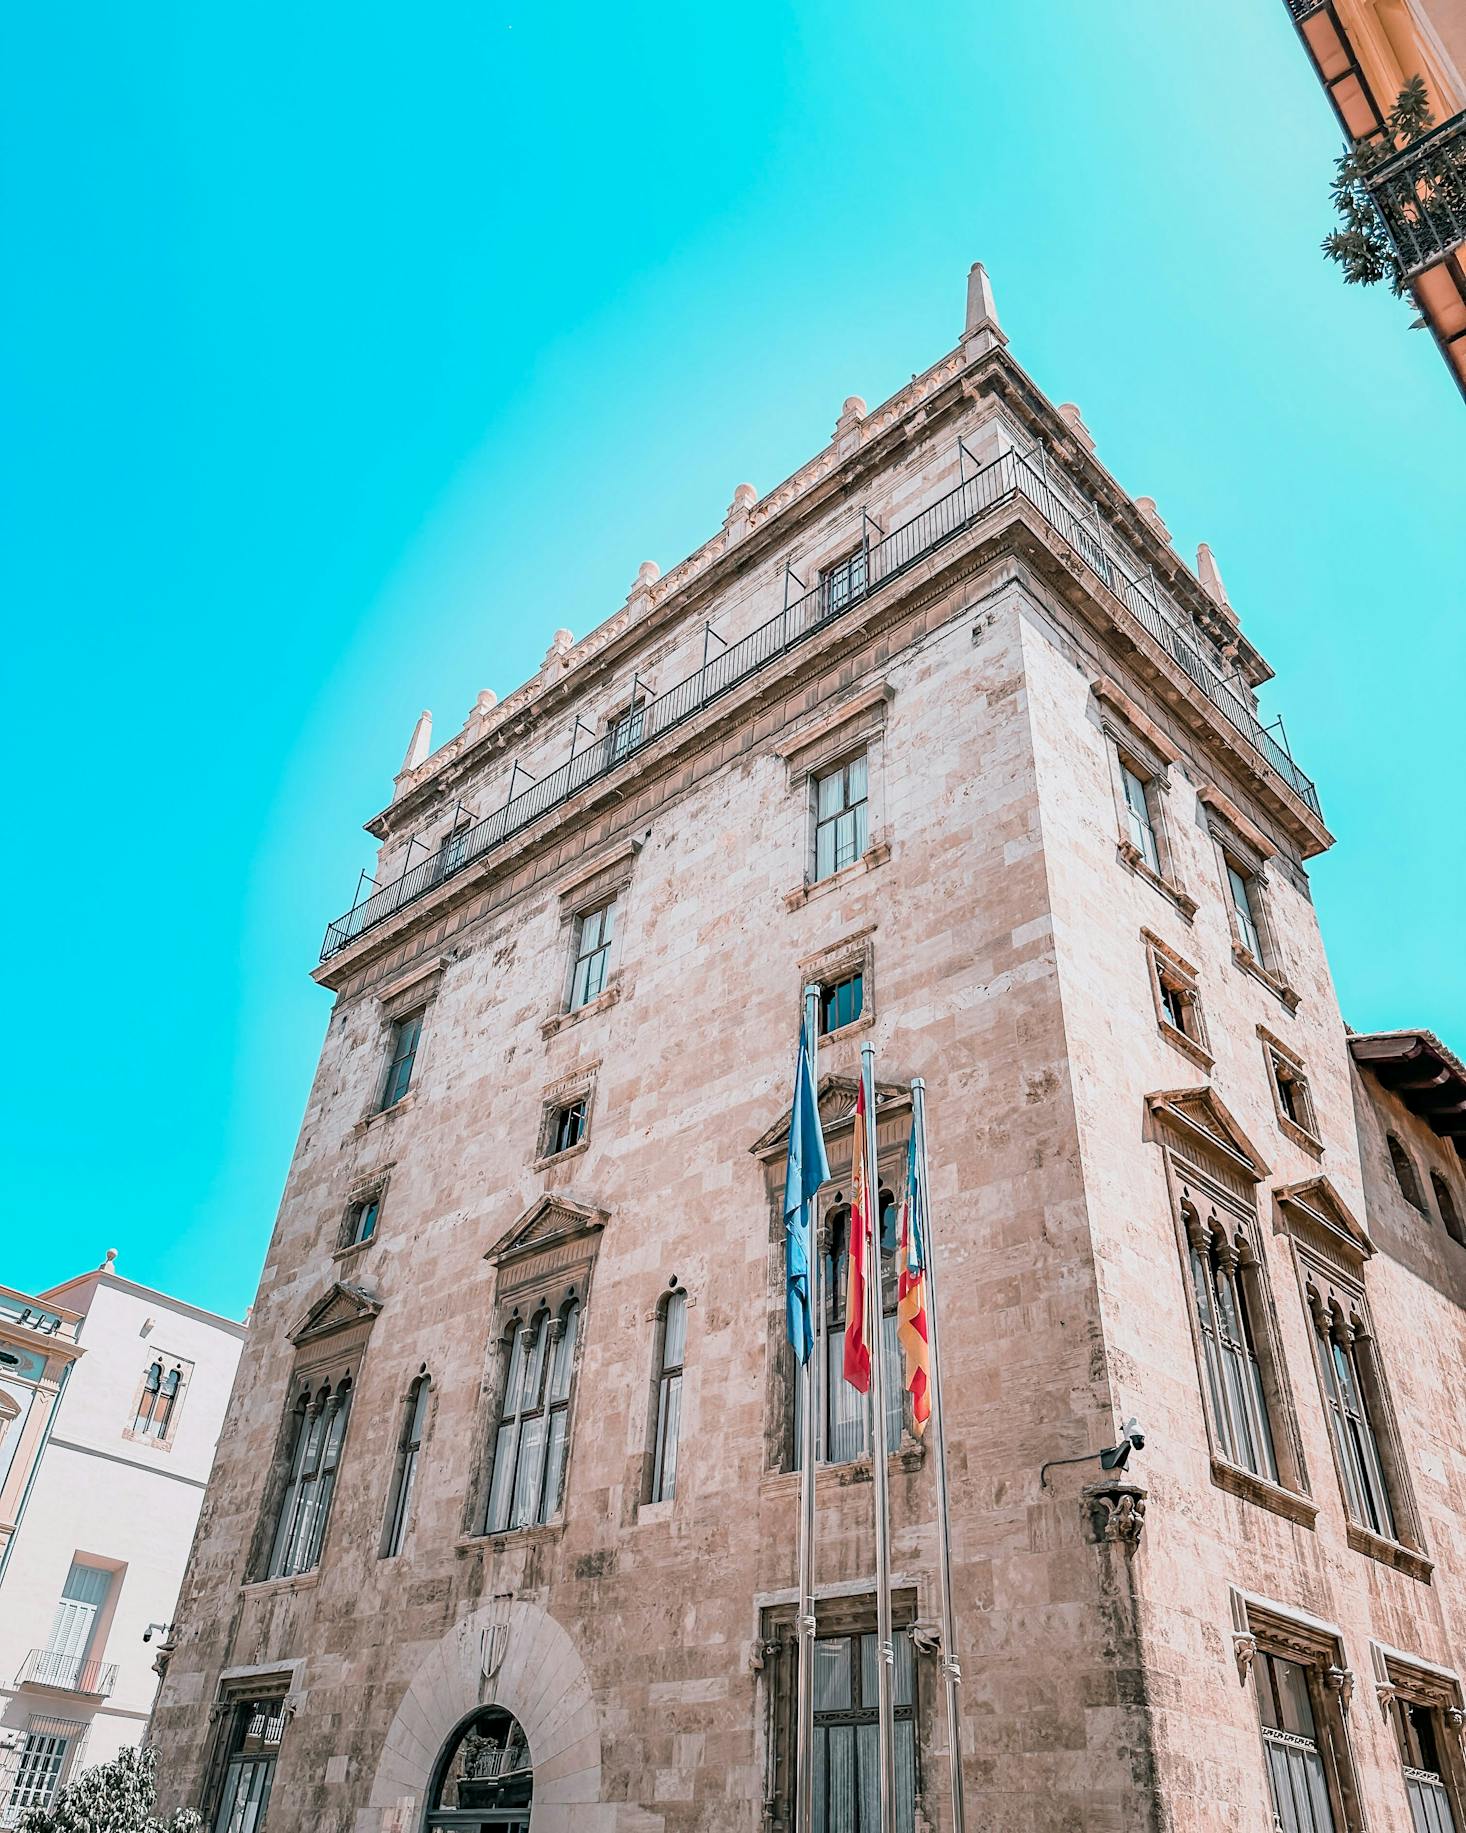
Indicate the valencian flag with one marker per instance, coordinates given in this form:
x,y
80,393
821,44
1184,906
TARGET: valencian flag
x,y
857,1343
808,1168
911,1319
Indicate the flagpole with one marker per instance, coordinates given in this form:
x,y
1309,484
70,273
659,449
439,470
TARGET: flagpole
x,y
804,1737
951,1668
874,1310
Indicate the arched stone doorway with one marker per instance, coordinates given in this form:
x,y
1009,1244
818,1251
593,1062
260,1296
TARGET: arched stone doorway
x,y
520,1662
483,1781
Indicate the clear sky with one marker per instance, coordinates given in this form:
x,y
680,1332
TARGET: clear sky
x,y
349,350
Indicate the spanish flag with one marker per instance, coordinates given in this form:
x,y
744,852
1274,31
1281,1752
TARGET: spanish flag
x,y
911,1321
857,1343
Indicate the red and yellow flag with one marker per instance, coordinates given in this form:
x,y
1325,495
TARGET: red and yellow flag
x,y
857,1343
911,1320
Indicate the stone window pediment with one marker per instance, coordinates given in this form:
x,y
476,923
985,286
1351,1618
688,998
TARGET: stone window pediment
x,y
1196,1123
1318,1218
549,1252
836,1100
336,1326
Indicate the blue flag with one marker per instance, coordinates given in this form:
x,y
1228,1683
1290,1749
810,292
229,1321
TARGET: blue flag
x,y
808,1168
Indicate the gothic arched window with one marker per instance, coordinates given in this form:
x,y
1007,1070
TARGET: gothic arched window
x,y
530,1444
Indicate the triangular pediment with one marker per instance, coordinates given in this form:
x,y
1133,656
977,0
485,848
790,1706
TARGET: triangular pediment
x,y
837,1106
1315,1207
550,1221
1201,1118
336,1309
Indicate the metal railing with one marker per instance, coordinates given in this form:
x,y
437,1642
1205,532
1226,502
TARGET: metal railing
x,y
1421,194
48,1667
1300,9
1005,478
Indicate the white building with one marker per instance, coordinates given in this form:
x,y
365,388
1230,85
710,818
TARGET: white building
x,y
111,1401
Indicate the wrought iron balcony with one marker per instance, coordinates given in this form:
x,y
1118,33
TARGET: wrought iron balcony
x,y
1300,9
48,1667
1421,194
1003,480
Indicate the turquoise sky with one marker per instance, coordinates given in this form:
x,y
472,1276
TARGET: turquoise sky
x,y
346,351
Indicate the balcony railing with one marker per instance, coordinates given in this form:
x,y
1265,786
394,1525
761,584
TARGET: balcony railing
x,y
1421,194
47,1667
1006,478
1300,9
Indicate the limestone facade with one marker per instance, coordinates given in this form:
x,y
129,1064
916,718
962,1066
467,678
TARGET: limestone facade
x,y
1128,1075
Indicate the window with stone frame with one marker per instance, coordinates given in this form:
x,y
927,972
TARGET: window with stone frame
x,y
1246,1397
846,1736
590,969
404,1037
1331,1250
329,1342
1407,1178
1173,985
1446,1204
316,1439
1424,1705
543,1267
564,1125
667,1398
842,1427
1301,1688
404,1468
159,1399
531,1441
845,975
842,1000
251,1718
1292,1096
1244,892
363,1214
1140,796
841,810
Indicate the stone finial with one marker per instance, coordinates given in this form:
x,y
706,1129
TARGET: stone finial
x,y
559,649
735,523
421,743
639,598
981,332
481,708
1146,506
648,573
109,1263
1210,575
847,427
1072,418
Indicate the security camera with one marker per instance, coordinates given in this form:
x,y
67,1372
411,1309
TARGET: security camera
x,y
1116,1457
162,1629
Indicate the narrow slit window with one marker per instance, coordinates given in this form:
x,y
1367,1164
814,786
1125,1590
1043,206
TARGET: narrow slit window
x,y
669,1397
1446,1204
1346,1394
404,1476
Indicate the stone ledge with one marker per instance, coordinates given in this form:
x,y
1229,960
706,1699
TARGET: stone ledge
x,y
1390,1553
1188,1046
1280,990
561,1021
384,1114
872,857
1253,1488
1130,856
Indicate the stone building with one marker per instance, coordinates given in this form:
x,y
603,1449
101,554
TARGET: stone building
x,y
504,1520
111,1400
1364,52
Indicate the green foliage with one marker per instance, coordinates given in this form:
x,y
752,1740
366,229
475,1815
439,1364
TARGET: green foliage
x,y
1362,247
115,1797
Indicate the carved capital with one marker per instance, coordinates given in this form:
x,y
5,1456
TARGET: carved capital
x,y
1455,1717
1340,1681
1116,1511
